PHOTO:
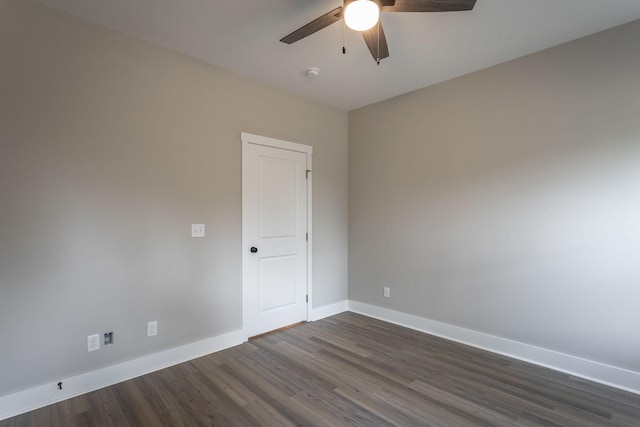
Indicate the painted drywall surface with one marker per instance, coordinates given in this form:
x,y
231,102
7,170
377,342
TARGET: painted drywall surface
x,y
110,148
507,201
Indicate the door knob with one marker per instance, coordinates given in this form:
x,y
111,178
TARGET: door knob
x,y
253,249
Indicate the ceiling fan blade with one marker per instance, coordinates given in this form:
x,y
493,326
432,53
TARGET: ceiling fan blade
x,y
430,6
377,45
316,25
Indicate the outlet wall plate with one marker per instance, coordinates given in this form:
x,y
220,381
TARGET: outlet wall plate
x,y
93,342
197,230
152,328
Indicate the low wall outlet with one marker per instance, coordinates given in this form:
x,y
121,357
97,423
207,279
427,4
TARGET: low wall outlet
x,y
152,328
93,342
197,230
386,292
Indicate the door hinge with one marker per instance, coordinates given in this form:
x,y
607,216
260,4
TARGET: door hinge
x,y
307,299
308,171
307,237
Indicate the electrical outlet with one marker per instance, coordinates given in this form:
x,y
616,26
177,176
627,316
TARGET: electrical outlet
x,y
197,230
93,342
152,328
386,292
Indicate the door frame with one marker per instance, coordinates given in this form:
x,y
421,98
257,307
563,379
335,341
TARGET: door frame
x,y
246,139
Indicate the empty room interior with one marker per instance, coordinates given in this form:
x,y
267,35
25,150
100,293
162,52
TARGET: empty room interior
x,y
212,213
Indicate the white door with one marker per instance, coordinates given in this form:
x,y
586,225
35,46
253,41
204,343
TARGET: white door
x,y
275,223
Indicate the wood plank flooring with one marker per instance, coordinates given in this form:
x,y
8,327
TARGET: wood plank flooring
x,y
347,370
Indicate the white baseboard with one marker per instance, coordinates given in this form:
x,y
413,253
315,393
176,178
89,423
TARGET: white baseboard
x,y
37,397
587,369
328,310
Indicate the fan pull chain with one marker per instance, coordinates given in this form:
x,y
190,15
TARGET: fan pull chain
x,y
344,49
378,58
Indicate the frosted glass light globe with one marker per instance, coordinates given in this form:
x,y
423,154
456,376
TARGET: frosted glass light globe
x,y
361,15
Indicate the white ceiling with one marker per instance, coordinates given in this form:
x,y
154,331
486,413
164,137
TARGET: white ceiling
x,y
425,48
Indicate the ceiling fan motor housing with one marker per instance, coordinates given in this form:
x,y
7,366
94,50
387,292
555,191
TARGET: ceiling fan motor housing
x,y
380,3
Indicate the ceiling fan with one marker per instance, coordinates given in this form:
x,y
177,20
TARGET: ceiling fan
x,y
363,16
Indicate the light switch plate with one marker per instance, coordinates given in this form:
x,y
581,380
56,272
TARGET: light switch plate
x,y
197,230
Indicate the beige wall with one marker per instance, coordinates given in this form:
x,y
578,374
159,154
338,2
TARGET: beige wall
x,y
507,201
110,148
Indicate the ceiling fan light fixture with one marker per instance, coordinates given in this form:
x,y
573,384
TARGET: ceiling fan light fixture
x,y
361,15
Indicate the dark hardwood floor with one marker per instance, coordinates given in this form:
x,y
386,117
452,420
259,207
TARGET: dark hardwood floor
x,y
347,370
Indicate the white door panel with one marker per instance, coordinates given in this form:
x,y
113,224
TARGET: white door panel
x,y
278,211
278,282
275,197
